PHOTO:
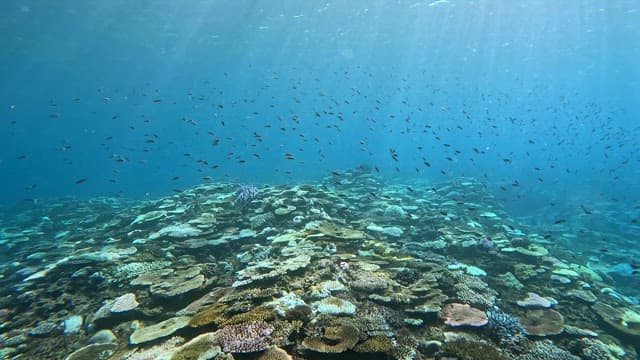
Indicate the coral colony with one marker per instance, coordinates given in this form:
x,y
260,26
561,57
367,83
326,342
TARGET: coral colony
x,y
246,194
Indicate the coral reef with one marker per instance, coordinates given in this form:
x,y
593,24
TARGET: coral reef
x,y
307,272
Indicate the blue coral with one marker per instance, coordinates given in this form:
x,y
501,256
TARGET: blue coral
x,y
502,323
246,194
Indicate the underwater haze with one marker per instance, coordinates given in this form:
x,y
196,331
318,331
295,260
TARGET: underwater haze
x,y
530,106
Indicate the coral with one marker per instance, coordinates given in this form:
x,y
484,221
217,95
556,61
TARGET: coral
x,y
135,269
583,294
269,269
394,211
396,298
594,349
376,344
407,277
503,324
476,350
535,300
405,348
456,314
621,318
210,315
250,294
159,330
260,219
542,322
176,231
73,324
525,272
546,350
160,351
103,337
511,281
299,312
334,306
335,339
335,231
284,210
471,289
124,303
92,352
275,353
171,283
259,313
283,331
245,338
150,216
368,281
203,346
286,303
246,194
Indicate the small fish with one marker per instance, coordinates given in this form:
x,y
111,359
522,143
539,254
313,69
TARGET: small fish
x,y
586,211
80,181
559,221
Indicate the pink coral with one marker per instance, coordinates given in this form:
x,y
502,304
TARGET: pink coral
x,y
456,314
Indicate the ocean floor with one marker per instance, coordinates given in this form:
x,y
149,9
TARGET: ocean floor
x,y
352,267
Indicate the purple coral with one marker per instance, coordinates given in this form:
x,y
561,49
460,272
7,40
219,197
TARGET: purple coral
x,y
248,337
486,243
246,193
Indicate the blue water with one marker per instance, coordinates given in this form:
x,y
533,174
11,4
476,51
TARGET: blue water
x,y
536,98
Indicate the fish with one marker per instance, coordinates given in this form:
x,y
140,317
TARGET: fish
x,y
585,210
